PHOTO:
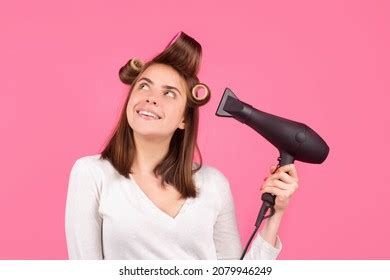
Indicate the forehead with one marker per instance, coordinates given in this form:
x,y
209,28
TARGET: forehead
x,y
162,74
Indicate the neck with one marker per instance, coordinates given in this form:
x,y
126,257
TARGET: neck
x,y
149,152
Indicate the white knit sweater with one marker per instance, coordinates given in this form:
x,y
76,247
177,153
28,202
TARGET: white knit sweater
x,y
109,217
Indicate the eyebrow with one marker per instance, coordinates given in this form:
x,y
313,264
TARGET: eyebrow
x,y
164,86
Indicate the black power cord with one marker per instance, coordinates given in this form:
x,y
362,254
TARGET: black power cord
x,y
268,203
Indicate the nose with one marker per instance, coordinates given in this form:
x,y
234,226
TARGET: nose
x,y
151,100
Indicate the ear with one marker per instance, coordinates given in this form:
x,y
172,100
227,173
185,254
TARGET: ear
x,y
182,124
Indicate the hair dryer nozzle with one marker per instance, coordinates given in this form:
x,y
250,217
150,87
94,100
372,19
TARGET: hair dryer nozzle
x,y
220,111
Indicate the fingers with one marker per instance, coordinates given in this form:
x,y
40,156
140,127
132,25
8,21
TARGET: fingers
x,y
272,190
283,177
272,168
281,194
283,183
290,169
276,187
276,183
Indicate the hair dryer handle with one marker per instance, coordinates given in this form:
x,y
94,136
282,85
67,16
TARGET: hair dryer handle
x,y
285,158
268,198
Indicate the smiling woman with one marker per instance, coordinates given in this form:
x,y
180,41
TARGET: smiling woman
x,y
143,196
161,87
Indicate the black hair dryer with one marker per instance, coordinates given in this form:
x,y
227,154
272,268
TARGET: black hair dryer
x,y
294,140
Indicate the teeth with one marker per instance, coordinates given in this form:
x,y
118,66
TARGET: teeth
x,y
148,114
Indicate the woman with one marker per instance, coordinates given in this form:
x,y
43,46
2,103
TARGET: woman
x,y
143,197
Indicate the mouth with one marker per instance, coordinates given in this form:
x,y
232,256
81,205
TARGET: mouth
x,y
147,115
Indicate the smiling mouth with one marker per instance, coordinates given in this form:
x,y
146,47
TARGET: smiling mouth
x,y
147,117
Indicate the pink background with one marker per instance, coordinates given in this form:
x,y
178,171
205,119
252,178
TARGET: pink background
x,y
323,63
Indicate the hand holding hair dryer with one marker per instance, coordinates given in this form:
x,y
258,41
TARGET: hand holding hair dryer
x,y
294,140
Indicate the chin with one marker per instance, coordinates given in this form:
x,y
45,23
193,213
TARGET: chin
x,y
148,132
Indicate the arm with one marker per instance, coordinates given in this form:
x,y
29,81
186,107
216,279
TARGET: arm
x,y
82,220
226,235
270,230
283,184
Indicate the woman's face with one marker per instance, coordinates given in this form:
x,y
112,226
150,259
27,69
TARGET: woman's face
x,y
159,90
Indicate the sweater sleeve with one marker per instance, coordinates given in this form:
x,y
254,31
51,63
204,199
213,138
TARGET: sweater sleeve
x,y
82,220
226,235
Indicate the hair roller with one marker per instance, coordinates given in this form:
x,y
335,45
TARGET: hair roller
x,y
136,64
129,71
200,100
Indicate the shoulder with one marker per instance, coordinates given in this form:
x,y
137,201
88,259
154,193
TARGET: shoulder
x,y
211,173
86,177
89,159
213,178
91,165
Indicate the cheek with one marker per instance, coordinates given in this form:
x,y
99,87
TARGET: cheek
x,y
133,99
129,109
175,111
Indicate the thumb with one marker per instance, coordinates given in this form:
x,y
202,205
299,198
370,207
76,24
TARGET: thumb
x,y
272,168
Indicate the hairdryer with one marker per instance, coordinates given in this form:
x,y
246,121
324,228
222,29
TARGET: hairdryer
x,y
294,140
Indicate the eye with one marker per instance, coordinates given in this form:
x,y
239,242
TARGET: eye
x,y
143,84
172,93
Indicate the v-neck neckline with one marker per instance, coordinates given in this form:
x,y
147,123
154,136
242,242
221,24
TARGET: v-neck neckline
x,y
155,207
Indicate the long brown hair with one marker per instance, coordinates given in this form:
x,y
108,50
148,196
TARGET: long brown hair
x,y
183,53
